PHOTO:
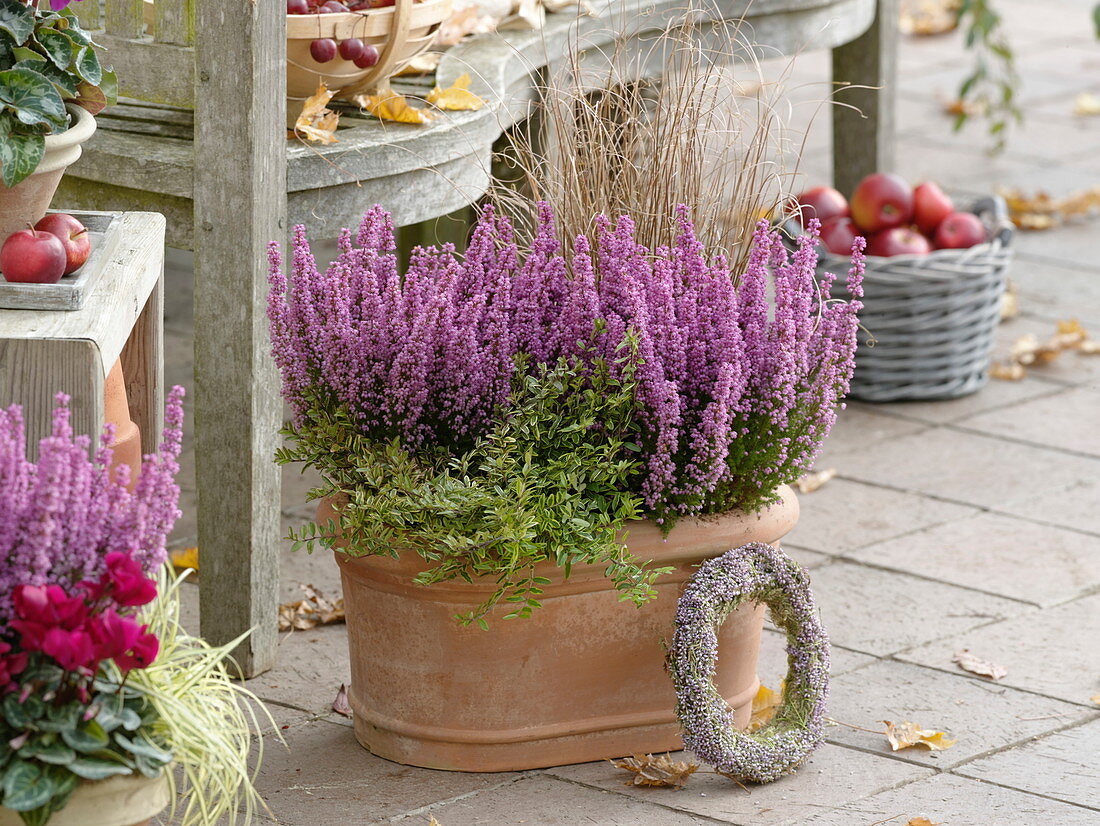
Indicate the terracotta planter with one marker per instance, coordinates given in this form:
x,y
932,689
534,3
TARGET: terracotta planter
x,y
116,410
27,201
118,801
582,679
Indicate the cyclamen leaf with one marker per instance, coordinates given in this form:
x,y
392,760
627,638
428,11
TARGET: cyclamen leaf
x,y
55,752
90,738
32,98
16,19
97,768
87,65
57,45
26,786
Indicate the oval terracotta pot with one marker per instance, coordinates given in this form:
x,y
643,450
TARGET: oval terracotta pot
x,y
118,801
26,202
116,409
582,679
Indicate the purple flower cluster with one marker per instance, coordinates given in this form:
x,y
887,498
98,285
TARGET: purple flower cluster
x,y
752,573
63,514
733,398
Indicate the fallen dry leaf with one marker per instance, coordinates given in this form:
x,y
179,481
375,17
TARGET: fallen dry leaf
x,y
1029,351
313,610
388,105
422,64
920,821
434,822
1086,104
813,481
1007,371
906,735
1010,302
764,705
341,705
976,665
185,559
316,122
659,770
1042,211
1096,699
456,97
969,108
928,17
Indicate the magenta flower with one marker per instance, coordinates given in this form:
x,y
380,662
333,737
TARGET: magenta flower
x,y
58,5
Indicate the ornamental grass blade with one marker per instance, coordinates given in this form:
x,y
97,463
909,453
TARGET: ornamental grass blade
x,y
456,97
905,735
764,705
976,665
316,122
656,770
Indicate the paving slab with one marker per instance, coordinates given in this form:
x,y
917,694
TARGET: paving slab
x,y
1067,421
1074,507
542,800
880,612
979,714
324,776
956,801
996,395
1003,555
969,468
1061,765
772,666
858,426
831,777
310,668
1052,651
844,515
1056,292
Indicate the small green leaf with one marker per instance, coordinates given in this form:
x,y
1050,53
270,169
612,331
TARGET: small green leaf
x,y
58,47
27,786
87,65
140,745
90,738
33,98
16,19
96,768
52,751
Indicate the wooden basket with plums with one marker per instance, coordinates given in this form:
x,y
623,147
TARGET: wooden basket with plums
x,y
933,288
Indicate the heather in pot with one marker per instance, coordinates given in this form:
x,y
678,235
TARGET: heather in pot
x,y
514,406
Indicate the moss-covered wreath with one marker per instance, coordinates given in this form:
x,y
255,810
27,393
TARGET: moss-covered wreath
x,y
752,573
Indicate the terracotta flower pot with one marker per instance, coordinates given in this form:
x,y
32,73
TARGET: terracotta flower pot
x,y
582,679
118,801
26,202
116,410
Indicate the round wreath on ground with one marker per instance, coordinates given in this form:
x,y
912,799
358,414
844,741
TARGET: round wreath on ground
x,y
752,573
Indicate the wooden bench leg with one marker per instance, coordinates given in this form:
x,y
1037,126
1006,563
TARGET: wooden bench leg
x,y
863,141
240,206
143,366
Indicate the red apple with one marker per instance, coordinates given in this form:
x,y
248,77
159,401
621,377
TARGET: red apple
x,y
898,241
838,234
369,56
73,236
323,49
959,230
32,257
882,201
822,203
930,206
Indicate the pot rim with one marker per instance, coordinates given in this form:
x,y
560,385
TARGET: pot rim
x,y
56,155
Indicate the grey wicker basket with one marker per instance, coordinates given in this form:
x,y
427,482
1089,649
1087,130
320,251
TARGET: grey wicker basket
x,y
928,321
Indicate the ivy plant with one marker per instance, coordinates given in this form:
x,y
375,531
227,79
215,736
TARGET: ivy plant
x,y
51,739
46,61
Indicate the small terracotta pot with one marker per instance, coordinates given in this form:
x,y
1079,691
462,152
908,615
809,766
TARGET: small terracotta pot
x,y
116,410
118,801
582,679
26,202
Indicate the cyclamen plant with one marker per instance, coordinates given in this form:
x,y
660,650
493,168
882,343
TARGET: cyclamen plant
x,y
728,398
78,551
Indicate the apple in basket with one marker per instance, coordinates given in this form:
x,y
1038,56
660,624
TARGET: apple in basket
x,y
959,230
882,201
930,206
898,241
823,203
838,235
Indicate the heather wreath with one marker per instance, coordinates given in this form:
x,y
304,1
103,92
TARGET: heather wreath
x,y
451,408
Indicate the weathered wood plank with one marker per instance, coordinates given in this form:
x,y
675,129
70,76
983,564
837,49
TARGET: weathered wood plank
x,y
125,18
240,205
143,367
174,22
157,72
89,13
78,193
866,135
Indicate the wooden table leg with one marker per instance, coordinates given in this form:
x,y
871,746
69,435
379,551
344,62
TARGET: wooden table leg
x,y
863,140
240,206
143,367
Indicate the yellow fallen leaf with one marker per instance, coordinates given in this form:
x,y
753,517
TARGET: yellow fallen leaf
x,y
1042,211
1096,699
920,821
1010,302
659,770
184,559
310,612
976,665
905,735
389,105
1086,104
764,705
813,481
434,822
456,97
1007,371
316,122
928,17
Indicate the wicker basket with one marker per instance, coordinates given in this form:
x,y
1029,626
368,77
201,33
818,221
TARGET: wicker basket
x,y
928,321
400,32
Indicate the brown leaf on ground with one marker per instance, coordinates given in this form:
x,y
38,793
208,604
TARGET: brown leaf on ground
x,y
1007,371
1086,105
456,97
656,770
313,610
920,821
969,108
928,17
1042,211
976,665
764,705
905,735
1096,699
1029,351
1010,302
388,105
434,822
316,122
814,481
341,705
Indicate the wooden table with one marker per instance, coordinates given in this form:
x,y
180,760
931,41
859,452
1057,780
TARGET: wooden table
x,y
43,352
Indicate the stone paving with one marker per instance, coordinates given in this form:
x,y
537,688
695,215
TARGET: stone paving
x,y
966,524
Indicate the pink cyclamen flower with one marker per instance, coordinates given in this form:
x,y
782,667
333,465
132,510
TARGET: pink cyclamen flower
x,y
141,654
126,582
113,634
73,650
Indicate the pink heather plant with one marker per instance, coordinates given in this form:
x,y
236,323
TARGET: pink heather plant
x,y
65,519
735,392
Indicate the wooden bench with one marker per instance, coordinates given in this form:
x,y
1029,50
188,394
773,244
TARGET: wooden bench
x,y
198,137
